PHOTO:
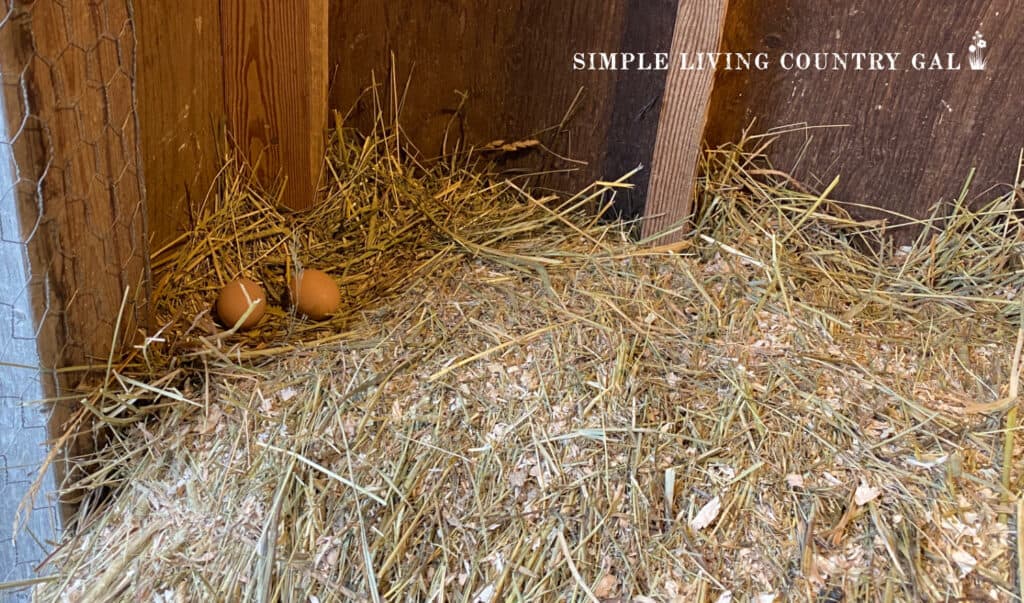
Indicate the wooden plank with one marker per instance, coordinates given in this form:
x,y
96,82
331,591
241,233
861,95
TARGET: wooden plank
x,y
429,43
541,86
909,137
637,101
180,90
92,245
514,64
698,28
275,87
80,199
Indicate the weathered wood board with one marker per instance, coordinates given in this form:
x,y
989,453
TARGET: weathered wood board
x,y
67,70
512,65
681,123
904,139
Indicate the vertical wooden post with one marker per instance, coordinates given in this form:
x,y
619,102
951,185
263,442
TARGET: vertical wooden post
x,y
69,108
275,88
684,110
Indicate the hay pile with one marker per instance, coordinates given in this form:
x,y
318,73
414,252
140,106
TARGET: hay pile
x,y
519,403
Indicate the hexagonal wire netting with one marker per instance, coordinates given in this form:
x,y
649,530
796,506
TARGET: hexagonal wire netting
x,y
72,235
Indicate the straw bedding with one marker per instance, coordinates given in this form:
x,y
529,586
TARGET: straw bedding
x,y
518,402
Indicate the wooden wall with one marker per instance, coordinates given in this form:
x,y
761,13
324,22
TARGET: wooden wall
x,y
909,138
275,88
513,63
180,87
254,72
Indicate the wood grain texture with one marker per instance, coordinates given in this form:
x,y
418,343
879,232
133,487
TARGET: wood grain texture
x,y
513,62
637,101
180,90
909,138
698,28
90,242
275,87
80,192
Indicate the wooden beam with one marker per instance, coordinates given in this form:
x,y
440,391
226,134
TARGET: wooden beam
x,y
68,91
181,106
275,87
90,244
684,111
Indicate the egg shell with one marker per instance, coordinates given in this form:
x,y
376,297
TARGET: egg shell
x,y
315,294
234,299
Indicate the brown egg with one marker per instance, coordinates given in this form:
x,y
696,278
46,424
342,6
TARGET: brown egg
x,y
236,297
315,294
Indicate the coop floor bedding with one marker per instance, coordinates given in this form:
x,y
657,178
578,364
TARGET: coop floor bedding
x,y
519,403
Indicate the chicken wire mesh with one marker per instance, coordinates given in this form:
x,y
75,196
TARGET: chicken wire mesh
x,y
72,237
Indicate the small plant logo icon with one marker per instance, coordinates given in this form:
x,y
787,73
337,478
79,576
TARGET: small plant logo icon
x,y
977,52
